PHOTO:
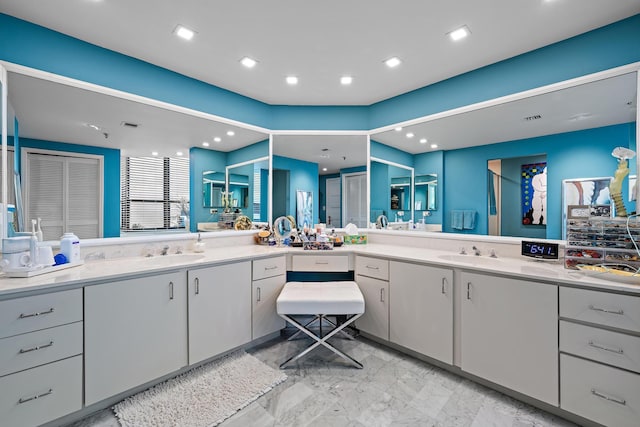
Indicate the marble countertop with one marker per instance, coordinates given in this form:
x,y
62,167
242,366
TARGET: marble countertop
x,y
100,271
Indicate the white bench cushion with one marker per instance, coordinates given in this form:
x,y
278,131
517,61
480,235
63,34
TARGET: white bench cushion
x,y
320,298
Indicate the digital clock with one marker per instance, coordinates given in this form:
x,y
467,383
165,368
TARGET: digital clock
x,y
540,250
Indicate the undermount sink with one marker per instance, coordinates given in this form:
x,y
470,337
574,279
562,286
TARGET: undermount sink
x,y
471,259
161,260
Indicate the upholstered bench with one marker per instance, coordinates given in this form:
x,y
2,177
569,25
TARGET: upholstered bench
x,y
320,299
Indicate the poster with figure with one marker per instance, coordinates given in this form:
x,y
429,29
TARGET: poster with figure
x,y
534,193
304,209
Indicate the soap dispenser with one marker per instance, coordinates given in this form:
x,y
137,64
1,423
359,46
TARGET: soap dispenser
x,y
198,246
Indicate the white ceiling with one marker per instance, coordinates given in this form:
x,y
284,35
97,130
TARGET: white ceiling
x,y
333,152
321,41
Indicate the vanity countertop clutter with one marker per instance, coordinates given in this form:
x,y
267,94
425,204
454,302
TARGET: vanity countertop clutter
x,y
513,323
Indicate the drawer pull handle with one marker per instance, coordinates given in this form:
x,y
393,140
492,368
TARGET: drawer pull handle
x,y
322,262
373,267
275,267
600,347
604,310
444,280
381,294
37,396
197,280
40,313
469,290
38,347
609,398
170,290
259,294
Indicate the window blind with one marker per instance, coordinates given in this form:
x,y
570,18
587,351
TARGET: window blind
x,y
154,193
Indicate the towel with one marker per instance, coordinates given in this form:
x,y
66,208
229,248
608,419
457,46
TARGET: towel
x,y
468,219
457,219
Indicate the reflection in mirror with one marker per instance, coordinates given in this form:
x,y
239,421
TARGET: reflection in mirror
x,y
425,193
517,196
213,186
331,167
577,127
76,121
282,228
396,205
246,188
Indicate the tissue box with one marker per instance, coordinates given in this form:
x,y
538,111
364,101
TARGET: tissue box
x,y
355,239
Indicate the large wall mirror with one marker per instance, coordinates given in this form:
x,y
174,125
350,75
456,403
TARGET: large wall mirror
x,y
325,169
152,155
481,153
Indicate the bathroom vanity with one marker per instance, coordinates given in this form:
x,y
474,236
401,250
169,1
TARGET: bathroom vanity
x,y
79,340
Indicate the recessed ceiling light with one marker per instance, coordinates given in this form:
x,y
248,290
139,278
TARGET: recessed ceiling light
x,y
248,62
398,129
460,33
154,153
292,80
423,141
409,135
393,62
217,139
230,133
205,144
178,153
346,80
184,32
94,127
434,145
324,169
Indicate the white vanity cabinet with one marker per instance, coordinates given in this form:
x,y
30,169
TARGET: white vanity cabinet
x,y
40,357
421,309
135,332
509,333
372,277
219,309
600,356
269,276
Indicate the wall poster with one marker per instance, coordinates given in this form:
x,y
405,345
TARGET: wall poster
x,y
534,193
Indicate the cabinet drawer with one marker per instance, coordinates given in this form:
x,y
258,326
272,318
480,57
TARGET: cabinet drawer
x,y
609,347
42,394
320,263
27,314
372,267
269,267
600,393
618,311
40,347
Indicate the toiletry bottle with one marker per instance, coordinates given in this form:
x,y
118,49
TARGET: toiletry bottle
x,y
33,248
39,234
70,247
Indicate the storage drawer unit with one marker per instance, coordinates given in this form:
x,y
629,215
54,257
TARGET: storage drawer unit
x,y
40,347
269,267
32,313
616,311
334,263
41,394
372,267
613,348
606,395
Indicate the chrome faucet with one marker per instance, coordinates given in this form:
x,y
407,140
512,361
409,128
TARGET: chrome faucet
x,y
165,250
476,251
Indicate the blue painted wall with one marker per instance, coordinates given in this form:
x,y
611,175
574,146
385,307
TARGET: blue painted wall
x,y
581,154
111,177
201,160
251,152
302,176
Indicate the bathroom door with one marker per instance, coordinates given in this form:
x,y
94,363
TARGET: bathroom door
x,y
333,203
354,199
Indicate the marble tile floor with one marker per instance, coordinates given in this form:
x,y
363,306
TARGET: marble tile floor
x,y
392,389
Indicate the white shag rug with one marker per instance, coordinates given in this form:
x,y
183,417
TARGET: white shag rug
x,y
202,397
